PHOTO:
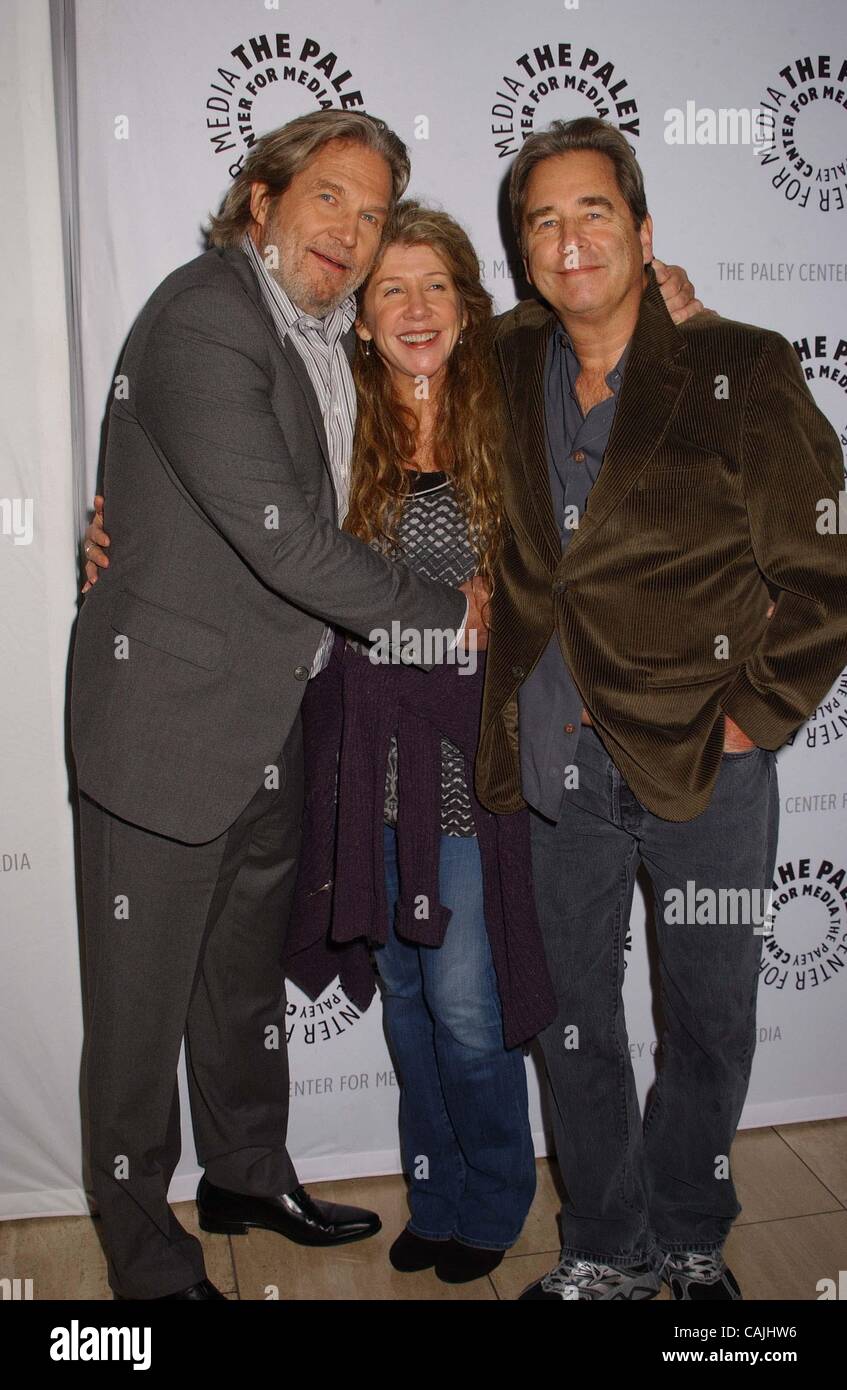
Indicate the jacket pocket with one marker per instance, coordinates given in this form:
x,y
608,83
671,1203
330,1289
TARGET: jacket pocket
x,y
679,475
188,639
681,682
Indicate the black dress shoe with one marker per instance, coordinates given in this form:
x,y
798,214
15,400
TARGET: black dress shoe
x,y
303,1219
411,1253
459,1264
205,1289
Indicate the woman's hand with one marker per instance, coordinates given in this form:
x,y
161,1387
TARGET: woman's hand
x,y
94,544
477,593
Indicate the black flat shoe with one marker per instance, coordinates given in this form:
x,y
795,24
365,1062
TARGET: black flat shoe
x,y
196,1292
411,1253
459,1264
296,1215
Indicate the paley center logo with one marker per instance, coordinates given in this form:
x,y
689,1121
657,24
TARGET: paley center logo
x,y
824,362
267,80
555,81
807,947
321,1020
828,725
802,132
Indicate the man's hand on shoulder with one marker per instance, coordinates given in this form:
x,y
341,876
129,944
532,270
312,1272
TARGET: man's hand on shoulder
x,y
677,292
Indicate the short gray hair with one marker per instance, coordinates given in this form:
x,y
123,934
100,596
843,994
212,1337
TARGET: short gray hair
x,y
563,137
283,152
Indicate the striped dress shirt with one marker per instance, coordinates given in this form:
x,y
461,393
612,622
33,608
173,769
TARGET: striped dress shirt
x,y
319,343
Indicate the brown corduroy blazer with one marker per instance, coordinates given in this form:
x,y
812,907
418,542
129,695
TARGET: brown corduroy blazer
x,y
705,507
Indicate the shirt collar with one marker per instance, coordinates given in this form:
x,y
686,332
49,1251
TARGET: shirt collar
x,y
330,328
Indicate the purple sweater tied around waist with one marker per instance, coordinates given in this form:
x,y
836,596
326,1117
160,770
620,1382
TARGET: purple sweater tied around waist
x,y
349,713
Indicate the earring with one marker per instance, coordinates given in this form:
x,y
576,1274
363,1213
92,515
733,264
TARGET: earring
x,y
461,336
367,343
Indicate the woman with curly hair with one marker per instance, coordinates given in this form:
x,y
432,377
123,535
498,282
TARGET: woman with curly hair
x,y
439,886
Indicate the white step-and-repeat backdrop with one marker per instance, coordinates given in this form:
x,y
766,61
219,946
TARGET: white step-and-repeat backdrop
x,y
738,114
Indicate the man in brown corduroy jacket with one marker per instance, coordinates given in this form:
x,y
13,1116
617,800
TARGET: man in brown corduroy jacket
x,y
665,613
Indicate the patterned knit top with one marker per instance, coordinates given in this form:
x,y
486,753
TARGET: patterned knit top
x,y
432,539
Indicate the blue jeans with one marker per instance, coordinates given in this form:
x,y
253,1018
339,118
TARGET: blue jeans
x,y
464,1121
666,1184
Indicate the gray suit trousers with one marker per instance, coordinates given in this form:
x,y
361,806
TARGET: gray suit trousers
x,y
185,940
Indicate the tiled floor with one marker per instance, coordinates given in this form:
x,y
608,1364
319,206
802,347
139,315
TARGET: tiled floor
x,y
792,1182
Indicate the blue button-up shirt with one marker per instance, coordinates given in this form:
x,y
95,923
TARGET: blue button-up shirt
x,y
549,704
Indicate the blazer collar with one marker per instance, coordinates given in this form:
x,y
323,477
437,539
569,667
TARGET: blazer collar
x,y
244,272
652,386
521,343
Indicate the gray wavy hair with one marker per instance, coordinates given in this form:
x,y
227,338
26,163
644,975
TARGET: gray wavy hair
x,y
283,152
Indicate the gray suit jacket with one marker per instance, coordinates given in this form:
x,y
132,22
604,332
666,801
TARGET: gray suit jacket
x,y
193,649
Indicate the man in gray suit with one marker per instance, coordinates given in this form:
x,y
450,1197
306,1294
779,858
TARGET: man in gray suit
x,y
226,475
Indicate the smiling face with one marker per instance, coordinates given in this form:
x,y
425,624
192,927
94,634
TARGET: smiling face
x,y
412,311
583,251
327,224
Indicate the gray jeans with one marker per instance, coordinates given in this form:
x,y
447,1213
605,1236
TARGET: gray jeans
x,y
666,1183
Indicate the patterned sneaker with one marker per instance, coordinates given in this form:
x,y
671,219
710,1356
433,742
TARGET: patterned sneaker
x,y
574,1279
692,1277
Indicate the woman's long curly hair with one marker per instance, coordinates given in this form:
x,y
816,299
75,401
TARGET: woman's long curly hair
x,y
466,434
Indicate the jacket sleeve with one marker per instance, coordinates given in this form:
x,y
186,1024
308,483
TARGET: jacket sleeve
x,y
204,403
791,460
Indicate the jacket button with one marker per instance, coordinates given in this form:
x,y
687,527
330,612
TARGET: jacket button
x,y
579,456
301,673
559,586
518,672
569,728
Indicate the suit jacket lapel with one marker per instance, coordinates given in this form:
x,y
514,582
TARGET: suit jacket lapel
x,y
348,342
652,388
522,356
298,367
241,266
